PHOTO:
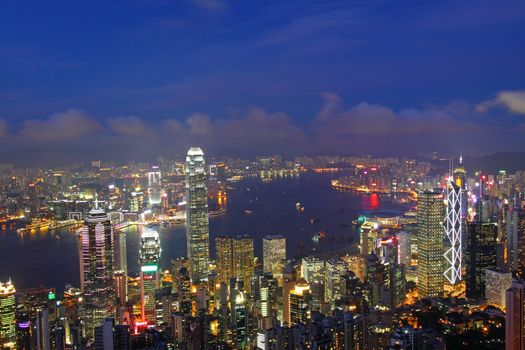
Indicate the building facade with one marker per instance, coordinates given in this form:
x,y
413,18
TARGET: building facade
x,y
197,223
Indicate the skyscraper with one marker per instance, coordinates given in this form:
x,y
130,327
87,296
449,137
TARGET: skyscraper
x,y
154,186
430,244
243,260
224,258
149,273
453,232
7,316
516,241
299,300
235,259
274,255
197,225
120,266
96,268
480,254
514,322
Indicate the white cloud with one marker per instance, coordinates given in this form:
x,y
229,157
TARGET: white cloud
x,y
66,125
514,101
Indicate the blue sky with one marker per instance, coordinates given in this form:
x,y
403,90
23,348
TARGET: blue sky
x,y
138,77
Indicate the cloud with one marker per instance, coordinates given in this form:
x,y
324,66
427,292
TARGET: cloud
x,y
362,128
210,5
514,101
127,125
70,124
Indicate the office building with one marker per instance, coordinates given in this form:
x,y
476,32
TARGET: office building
x,y
430,244
299,300
197,225
7,316
453,233
274,255
149,273
496,284
235,259
514,316
516,241
154,186
120,266
335,269
480,254
96,268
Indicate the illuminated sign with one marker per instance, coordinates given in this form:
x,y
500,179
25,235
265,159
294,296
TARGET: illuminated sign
x,y
149,268
23,325
51,296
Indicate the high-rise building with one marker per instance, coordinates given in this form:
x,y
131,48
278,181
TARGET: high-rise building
x,y
120,266
111,336
96,268
224,258
240,319
404,247
235,259
149,273
453,232
516,241
514,316
335,269
197,225
299,300
312,269
243,260
496,284
430,244
154,186
480,254
7,316
274,255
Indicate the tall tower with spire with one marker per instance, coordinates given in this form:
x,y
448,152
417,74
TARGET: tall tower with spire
x,y
96,267
197,224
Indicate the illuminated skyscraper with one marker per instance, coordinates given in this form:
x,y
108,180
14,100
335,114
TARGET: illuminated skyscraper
x,y
7,316
274,255
496,284
243,260
480,254
514,317
149,273
120,265
96,268
235,259
299,300
154,186
430,244
335,268
516,241
453,232
240,318
224,258
197,225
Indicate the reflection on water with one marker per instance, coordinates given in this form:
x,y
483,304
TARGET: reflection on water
x,y
39,258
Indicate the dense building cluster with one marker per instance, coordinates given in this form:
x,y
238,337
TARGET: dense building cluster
x,y
445,273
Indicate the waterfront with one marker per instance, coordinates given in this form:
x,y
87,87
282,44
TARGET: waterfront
x,y
253,207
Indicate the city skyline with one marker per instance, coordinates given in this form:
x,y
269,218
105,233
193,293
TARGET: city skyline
x,y
262,175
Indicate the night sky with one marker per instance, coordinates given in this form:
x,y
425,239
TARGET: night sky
x,y
133,79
